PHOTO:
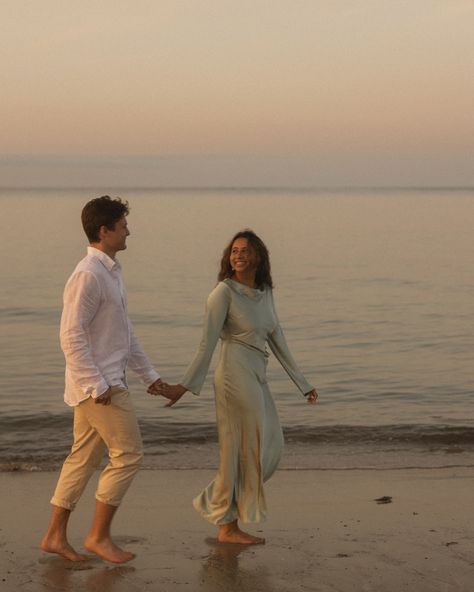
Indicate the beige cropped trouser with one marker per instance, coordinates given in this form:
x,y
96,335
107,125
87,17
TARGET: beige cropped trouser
x,y
98,428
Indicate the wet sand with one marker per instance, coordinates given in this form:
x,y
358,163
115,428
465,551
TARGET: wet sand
x,y
324,532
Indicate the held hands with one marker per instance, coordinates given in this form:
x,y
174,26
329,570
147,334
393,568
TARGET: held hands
x,y
173,392
312,397
156,388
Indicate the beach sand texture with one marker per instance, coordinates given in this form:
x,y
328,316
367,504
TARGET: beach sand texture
x,y
325,532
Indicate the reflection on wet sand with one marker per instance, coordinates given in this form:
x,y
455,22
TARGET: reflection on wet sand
x,y
90,576
221,569
108,579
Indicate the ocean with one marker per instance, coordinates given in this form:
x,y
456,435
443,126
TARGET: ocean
x,y
374,290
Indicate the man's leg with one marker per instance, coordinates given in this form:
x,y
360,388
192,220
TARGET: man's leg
x,y
55,539
118,427
99,539
86,454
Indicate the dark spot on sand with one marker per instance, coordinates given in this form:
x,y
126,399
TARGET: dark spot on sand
x,y
127,540
385,499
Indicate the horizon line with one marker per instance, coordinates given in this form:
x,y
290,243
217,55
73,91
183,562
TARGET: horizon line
x,y
243,187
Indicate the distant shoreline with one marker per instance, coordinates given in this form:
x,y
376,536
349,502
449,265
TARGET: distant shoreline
x,y
232,188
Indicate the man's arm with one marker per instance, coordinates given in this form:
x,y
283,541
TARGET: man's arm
x,y
81,302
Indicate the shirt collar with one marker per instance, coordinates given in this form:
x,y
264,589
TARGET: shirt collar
x,y
103,258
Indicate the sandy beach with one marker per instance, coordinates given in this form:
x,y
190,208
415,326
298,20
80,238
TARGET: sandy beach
x,y
325,532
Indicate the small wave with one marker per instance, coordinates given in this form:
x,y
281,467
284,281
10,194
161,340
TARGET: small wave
x,y
44,427
29,314
39,422
177,432
415,434
42,441
12,467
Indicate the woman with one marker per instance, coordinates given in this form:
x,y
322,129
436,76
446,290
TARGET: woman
x,y
241,312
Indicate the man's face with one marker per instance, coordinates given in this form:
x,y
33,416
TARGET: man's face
x,y
115,240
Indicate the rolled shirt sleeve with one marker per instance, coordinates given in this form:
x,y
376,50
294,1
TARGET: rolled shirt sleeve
x,y
82,297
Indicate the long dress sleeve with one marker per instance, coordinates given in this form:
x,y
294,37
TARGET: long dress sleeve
x,y
216,312
279,347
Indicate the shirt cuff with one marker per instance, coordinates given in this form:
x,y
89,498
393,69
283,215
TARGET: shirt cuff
x,y
150,377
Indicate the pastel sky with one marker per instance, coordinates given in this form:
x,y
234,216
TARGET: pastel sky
x,y
237,93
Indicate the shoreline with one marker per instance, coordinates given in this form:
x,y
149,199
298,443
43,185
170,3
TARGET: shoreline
x,y
297,456
325,532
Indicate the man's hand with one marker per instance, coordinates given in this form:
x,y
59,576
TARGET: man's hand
x,y
173,392
104,398
156,387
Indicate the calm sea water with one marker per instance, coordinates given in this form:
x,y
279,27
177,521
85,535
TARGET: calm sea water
x,y
375,291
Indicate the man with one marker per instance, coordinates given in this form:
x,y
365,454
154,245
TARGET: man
x,y
98,343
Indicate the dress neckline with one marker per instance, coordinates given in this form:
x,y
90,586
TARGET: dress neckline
x,y
253,293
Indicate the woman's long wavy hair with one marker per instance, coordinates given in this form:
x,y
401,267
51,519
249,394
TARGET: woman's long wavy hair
x,y
263,276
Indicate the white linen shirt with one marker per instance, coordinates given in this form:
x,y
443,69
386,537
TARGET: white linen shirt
x,y
96,334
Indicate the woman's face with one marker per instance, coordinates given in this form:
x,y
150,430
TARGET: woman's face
x,y
243,258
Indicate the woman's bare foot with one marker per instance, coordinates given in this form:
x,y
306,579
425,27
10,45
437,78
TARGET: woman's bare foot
x,y
62,548
106,549
231,533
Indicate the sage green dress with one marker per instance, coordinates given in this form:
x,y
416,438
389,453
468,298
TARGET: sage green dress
x,y
250,435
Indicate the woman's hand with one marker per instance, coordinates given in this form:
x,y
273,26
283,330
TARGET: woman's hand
x,y
312,397
173,392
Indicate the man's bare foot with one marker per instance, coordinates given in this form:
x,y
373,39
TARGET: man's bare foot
x,y
231,533
62,548
106,549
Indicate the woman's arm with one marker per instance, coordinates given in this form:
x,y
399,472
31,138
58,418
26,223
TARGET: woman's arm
x,y
216,313
279,347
